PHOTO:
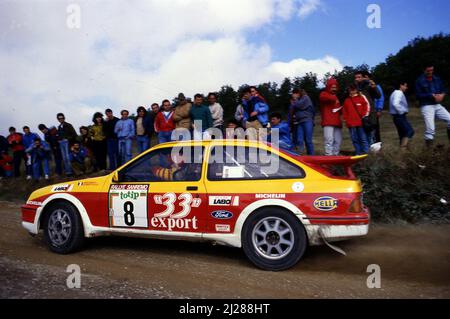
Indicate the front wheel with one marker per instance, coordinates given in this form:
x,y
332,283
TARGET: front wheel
x,y
274,239
63,228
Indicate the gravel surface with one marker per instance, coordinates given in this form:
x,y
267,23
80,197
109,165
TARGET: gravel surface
x,y
414,261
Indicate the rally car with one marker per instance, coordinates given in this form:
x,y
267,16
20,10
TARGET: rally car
x,y
245,194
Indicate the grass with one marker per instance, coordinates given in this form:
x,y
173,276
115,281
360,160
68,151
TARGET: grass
x,y
389,135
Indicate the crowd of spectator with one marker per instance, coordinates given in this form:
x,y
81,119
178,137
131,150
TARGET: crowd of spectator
x,y
107,142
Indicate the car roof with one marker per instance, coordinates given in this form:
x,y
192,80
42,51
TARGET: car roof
x,y
238,142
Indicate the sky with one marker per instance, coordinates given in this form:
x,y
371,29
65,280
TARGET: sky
x,y
79,57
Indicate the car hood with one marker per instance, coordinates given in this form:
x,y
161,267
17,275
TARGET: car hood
x,y
77,186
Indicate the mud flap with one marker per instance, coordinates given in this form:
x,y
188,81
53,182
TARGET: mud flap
x,y
335,248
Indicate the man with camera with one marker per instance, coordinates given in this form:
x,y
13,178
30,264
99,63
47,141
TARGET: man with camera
x,y
39,153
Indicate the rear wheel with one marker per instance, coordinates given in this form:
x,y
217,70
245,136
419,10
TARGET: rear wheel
x,y
273,239
63,228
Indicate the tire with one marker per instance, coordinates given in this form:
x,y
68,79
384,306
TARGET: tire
x,y
274,239
63,228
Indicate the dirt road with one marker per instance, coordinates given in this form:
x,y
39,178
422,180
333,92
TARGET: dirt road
x,y
414,261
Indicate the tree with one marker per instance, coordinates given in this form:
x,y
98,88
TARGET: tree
x,y
228,98
310,84
408,64
284,95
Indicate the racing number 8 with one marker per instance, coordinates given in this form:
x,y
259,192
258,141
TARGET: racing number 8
x,y
128,208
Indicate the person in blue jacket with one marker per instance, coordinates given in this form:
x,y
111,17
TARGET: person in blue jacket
x,y
28,140
125,130
304,112
81,162
255,113
284,135
430,92
39,152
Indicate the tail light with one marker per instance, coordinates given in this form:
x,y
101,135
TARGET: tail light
x,y
356,206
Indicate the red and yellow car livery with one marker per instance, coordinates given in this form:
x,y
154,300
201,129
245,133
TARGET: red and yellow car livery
x,y
245,194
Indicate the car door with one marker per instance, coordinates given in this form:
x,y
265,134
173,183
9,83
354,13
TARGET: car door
x,y
162,191
239,175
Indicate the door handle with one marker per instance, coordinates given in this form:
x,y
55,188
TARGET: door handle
x,y
192,188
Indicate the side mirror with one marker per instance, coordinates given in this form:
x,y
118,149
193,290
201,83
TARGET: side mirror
x,y
115,177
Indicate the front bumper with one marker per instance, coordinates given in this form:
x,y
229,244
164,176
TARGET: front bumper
x,y
30,214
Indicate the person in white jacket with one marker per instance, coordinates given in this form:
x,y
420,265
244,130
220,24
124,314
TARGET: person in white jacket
x,y
216,111
398,108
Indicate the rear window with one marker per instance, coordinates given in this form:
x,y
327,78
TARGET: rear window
x,y
249,163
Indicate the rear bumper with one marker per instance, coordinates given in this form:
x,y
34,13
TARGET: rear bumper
x,y
316,233
334,229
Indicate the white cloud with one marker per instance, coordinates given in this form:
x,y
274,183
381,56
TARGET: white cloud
x,y
299,67
307,7
132,53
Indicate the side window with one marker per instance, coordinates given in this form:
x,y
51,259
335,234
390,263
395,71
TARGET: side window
x,y
167,164
249,163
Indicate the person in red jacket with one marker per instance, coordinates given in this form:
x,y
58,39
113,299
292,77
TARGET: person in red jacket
x,y
355,108
15,141
6,165
331,110
164,123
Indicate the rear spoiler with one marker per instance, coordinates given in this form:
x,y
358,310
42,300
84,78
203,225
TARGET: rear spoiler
x,y
325,164
332,160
